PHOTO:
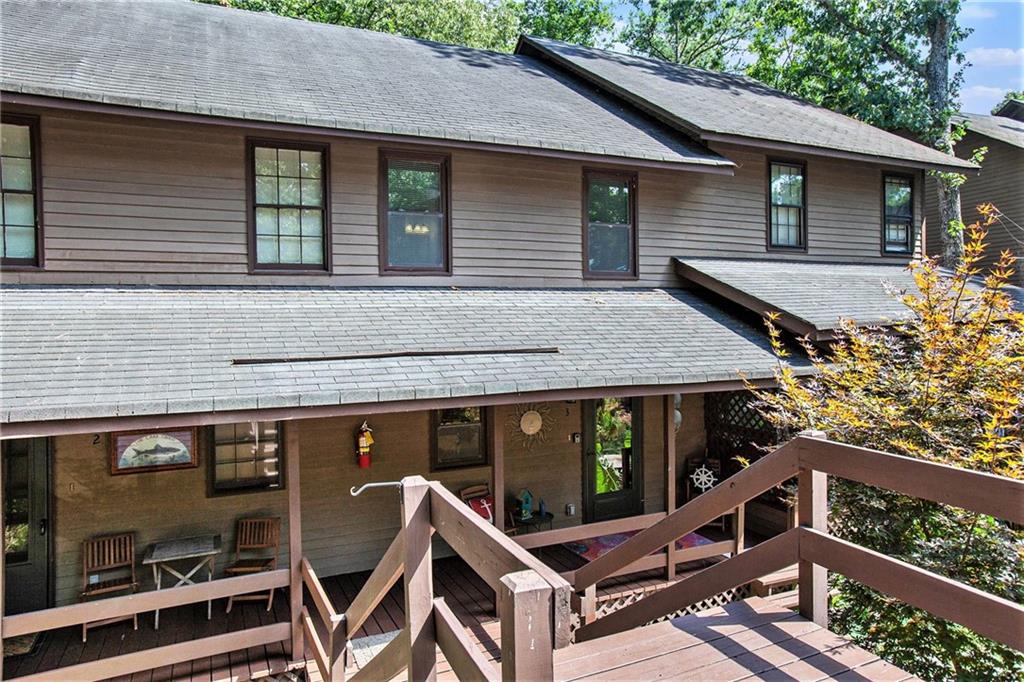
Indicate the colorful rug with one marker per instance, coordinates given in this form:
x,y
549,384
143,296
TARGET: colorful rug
x,y
592,548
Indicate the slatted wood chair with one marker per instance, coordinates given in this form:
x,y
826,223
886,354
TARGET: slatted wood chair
x,y
256,544
108,567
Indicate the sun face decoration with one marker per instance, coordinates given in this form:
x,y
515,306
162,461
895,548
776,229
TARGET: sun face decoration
x,y
531,424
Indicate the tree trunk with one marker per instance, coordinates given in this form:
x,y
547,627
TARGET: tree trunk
x,y
937,79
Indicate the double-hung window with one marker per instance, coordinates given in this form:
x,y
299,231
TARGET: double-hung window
x,y
414,213
787,205
898,219
289,206
609,225
21,234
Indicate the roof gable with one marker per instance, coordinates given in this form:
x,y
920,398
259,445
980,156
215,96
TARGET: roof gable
x,y
719,106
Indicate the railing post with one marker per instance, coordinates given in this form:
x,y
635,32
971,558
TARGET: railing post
x,y
337,645
812,512
589,604
419,579
527,643
292,462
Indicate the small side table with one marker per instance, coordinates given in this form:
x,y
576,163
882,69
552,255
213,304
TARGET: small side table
x,y
160,555
536,521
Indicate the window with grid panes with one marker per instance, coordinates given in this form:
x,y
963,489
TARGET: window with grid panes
x,y
289,206
786,210
246,456
18,182
899,214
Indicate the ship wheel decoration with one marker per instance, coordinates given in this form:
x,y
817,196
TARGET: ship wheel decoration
x,y
703,478
531,424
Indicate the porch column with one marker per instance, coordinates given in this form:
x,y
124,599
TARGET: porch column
x,y
669,436
3,568
496,446
812,512
291,456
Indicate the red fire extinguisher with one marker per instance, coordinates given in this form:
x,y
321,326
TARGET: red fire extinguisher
x,y
364,439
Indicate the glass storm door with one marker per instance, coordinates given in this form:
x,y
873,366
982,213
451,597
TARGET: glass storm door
x,y
26,493
613,469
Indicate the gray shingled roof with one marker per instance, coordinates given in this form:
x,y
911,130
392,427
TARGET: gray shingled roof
x,y
999,128
93,351
181,56
708,102
812,295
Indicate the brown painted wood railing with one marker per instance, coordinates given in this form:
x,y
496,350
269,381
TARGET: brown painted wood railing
x,y
812,459
533,600
142,602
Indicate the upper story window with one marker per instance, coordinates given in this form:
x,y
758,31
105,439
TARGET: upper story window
x,y
787,205
414,207
609,225
459,438
289,206
19,182
898,221
246,456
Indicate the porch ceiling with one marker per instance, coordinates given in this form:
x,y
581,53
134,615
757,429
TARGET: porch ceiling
x,y
100,352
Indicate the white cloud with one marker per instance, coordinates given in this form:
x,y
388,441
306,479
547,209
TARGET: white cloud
x,y
996,56
977,10
979,99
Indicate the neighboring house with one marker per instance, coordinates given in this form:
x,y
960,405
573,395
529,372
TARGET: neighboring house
x,y
1000,182
253,233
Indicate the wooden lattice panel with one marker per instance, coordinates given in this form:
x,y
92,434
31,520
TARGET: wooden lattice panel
x,y
735,429
613,602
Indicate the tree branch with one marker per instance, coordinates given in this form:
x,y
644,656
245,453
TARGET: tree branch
x,y
890,51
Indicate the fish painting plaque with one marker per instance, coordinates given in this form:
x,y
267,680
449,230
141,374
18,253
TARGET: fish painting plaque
x,y
138,451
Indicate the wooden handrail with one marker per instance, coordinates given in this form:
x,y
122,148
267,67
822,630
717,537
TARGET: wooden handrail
x,y
138,661
316,590
976,491
588,530
385,575
141,602
465,658
986,614
492,554
763,475
771,555
328,655
392,659
312,639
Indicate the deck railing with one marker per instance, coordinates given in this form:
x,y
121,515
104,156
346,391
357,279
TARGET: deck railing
x,y
533,600
143,602
811,459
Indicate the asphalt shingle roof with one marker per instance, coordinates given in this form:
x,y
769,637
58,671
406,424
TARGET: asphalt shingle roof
x,y
180,56
814,294
709,102
1000,128
92,351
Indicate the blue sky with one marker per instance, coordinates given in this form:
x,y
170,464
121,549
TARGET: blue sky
x,y
995,50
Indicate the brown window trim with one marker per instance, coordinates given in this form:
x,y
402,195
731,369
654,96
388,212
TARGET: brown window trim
x,y
37,263
256,268
435,421
768,207
209,449
912,232
632,179
444,160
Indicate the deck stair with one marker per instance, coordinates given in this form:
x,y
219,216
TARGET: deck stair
x,y
777,581
739,640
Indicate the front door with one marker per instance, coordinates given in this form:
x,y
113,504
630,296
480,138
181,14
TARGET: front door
x,y
613,484
26,495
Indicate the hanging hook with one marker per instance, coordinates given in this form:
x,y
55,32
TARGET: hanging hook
x,y
383,484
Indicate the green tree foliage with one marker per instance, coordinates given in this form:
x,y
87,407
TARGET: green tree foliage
x,y
947,387
486,24
708,34
1011,95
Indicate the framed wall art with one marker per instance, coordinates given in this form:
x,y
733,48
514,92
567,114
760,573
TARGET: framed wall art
x,y
134,452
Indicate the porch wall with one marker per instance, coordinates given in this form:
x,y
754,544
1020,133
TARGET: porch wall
x,y
339,533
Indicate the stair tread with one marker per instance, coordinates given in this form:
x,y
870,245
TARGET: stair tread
x,y
790,574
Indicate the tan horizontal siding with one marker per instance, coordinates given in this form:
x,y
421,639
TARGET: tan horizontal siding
x,y
1000,182
139,201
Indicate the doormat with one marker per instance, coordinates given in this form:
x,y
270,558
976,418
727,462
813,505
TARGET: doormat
x,y
22,645
592,548
365,648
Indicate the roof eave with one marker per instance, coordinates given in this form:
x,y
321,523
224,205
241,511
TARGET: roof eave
x,y
746,141
7,97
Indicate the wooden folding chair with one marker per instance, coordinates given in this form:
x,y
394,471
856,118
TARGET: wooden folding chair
x,y
101,557
255,536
